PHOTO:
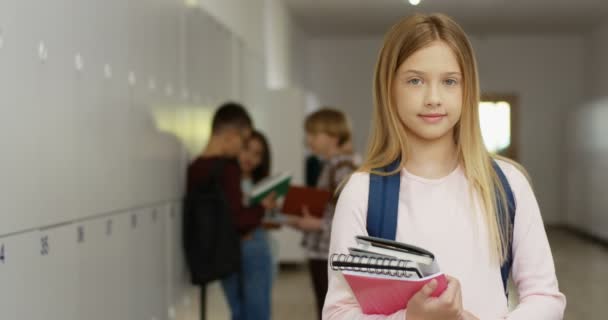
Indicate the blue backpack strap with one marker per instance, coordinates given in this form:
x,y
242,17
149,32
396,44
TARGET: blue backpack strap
x,y
383,203
505,226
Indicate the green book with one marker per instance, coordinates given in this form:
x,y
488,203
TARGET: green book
x,y
278,183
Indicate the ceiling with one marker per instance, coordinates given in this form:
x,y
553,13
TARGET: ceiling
x,y
356,17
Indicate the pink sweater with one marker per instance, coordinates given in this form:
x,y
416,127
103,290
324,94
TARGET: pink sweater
x,y
440,216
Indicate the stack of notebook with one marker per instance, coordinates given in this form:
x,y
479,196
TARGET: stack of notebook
x,y
384,274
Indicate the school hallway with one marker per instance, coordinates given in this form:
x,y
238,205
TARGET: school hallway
x,y
104,104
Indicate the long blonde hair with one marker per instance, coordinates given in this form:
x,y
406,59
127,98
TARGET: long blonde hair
x,y
388,141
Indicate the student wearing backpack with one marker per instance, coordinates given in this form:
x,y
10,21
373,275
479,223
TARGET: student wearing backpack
x,y
432,182
215,219
327,132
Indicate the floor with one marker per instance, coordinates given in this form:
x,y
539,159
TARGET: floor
x,y
581,265
582,272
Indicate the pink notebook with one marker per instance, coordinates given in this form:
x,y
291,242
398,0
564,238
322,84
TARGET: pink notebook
x,y
386,295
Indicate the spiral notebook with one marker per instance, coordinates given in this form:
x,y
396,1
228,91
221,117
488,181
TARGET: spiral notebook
x,y
383,284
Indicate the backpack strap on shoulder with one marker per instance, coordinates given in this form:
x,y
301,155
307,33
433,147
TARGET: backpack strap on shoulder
x,y
506,227
383,203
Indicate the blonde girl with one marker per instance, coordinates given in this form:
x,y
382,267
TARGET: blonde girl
x,y
426,122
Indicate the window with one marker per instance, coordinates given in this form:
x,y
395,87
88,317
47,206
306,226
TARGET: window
x,y
495,120
498,114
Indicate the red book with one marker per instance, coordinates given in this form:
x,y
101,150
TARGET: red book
x,y
313,198
379,294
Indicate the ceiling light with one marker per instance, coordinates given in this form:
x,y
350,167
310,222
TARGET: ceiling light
x,y
414,2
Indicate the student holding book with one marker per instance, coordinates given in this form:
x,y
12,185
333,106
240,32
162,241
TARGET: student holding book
x,y
327,131
452,199
231,128
249,291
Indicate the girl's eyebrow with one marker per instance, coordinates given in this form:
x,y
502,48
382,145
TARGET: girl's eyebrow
x,y
414,71
418,72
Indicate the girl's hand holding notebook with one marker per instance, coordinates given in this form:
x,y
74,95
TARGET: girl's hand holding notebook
x,y
448,306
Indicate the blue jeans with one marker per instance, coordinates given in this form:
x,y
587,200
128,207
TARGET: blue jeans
x,y
249,291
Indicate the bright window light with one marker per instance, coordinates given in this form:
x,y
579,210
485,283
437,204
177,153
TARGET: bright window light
x,y
191,3
495,120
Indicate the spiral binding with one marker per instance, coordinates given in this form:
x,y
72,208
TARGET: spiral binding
x,y
374,265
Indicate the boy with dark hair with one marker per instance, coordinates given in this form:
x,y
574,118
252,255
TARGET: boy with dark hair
x,y
213,193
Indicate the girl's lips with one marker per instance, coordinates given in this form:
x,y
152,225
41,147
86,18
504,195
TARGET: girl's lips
x,y
432,118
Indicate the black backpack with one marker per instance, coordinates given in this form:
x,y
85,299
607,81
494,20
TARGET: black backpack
x,y
211,241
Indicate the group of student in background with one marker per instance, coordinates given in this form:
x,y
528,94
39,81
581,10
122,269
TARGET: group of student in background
x,y
246,155
453,197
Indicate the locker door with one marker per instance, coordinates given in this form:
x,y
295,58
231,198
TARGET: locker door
x,y
19,273
13,181
137,265
97,273
57,280
155,259
118,237
46,62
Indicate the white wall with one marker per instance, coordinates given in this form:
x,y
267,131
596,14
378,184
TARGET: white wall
x,y
547,74
288,105
267,28
285,47
545,71
587,168
587,149
340,74
243,18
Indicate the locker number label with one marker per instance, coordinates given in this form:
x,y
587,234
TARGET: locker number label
x,y
80,234
44,245
109,227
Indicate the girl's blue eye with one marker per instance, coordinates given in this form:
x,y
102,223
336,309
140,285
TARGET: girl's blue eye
x,y
451,82
414,81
